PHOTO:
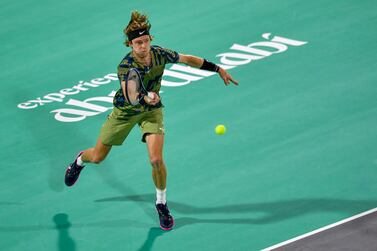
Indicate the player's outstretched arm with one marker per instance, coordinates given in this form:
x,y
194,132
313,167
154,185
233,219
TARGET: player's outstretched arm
x,y
201,63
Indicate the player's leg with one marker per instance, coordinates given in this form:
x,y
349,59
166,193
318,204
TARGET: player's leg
x,y
155,144
113,132
95,154
155,147
153,134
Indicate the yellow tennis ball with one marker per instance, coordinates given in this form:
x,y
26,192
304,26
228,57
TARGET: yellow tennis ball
x,y
220,129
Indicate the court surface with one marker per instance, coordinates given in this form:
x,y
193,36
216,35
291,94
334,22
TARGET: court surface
x,y
299,153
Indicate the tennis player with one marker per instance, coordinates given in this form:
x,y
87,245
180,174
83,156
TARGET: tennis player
x,y
150,61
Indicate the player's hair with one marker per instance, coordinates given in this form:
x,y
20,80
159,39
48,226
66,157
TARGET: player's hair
x,y
137,21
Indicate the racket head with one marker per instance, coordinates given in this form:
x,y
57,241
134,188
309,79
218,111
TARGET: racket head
x,y
134,87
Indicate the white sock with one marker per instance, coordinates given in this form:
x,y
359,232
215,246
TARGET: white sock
x,y
79,161
160,196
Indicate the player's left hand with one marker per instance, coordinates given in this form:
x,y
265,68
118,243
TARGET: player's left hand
x,y
227,78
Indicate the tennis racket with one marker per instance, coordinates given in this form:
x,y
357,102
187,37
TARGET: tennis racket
x,y
135,90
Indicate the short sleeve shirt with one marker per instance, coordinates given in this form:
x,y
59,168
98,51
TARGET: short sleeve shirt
x,y
151,75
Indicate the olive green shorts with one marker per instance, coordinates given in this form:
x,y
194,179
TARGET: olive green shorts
x,y
119,124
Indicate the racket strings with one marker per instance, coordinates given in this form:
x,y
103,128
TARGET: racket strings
x,y
134,88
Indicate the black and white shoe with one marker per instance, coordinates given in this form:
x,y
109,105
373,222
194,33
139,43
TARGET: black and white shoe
x,y
166,219
73,172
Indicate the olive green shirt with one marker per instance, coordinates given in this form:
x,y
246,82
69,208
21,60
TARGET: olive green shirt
x,y
151,76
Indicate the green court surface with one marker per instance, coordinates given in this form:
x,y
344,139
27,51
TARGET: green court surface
x,y
299,152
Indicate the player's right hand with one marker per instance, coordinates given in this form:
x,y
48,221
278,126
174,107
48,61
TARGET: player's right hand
x,y
152,101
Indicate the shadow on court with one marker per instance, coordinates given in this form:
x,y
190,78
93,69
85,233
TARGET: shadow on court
x,y
60,224
65,241
153,234
274,211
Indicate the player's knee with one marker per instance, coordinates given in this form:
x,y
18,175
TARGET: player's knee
x,y
156,162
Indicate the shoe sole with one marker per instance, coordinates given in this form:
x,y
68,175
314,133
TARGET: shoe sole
x,y
167,229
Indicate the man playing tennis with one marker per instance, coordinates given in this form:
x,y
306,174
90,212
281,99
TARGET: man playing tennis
x,y
150,62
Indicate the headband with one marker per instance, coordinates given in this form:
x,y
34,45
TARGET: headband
x,y
137,33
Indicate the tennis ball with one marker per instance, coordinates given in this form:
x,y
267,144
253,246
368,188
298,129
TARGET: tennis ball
x,y
220,129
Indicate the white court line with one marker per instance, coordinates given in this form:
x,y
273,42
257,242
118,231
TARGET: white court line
x,y
320,230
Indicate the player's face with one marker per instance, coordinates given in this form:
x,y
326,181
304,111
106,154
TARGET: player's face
x,y
141,45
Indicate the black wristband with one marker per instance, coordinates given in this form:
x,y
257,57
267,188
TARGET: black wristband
x,y
209,66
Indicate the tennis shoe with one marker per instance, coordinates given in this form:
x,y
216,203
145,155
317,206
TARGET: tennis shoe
x,y
73,172
166,219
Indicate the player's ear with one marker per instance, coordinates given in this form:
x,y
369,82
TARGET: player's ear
x,y
127,43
